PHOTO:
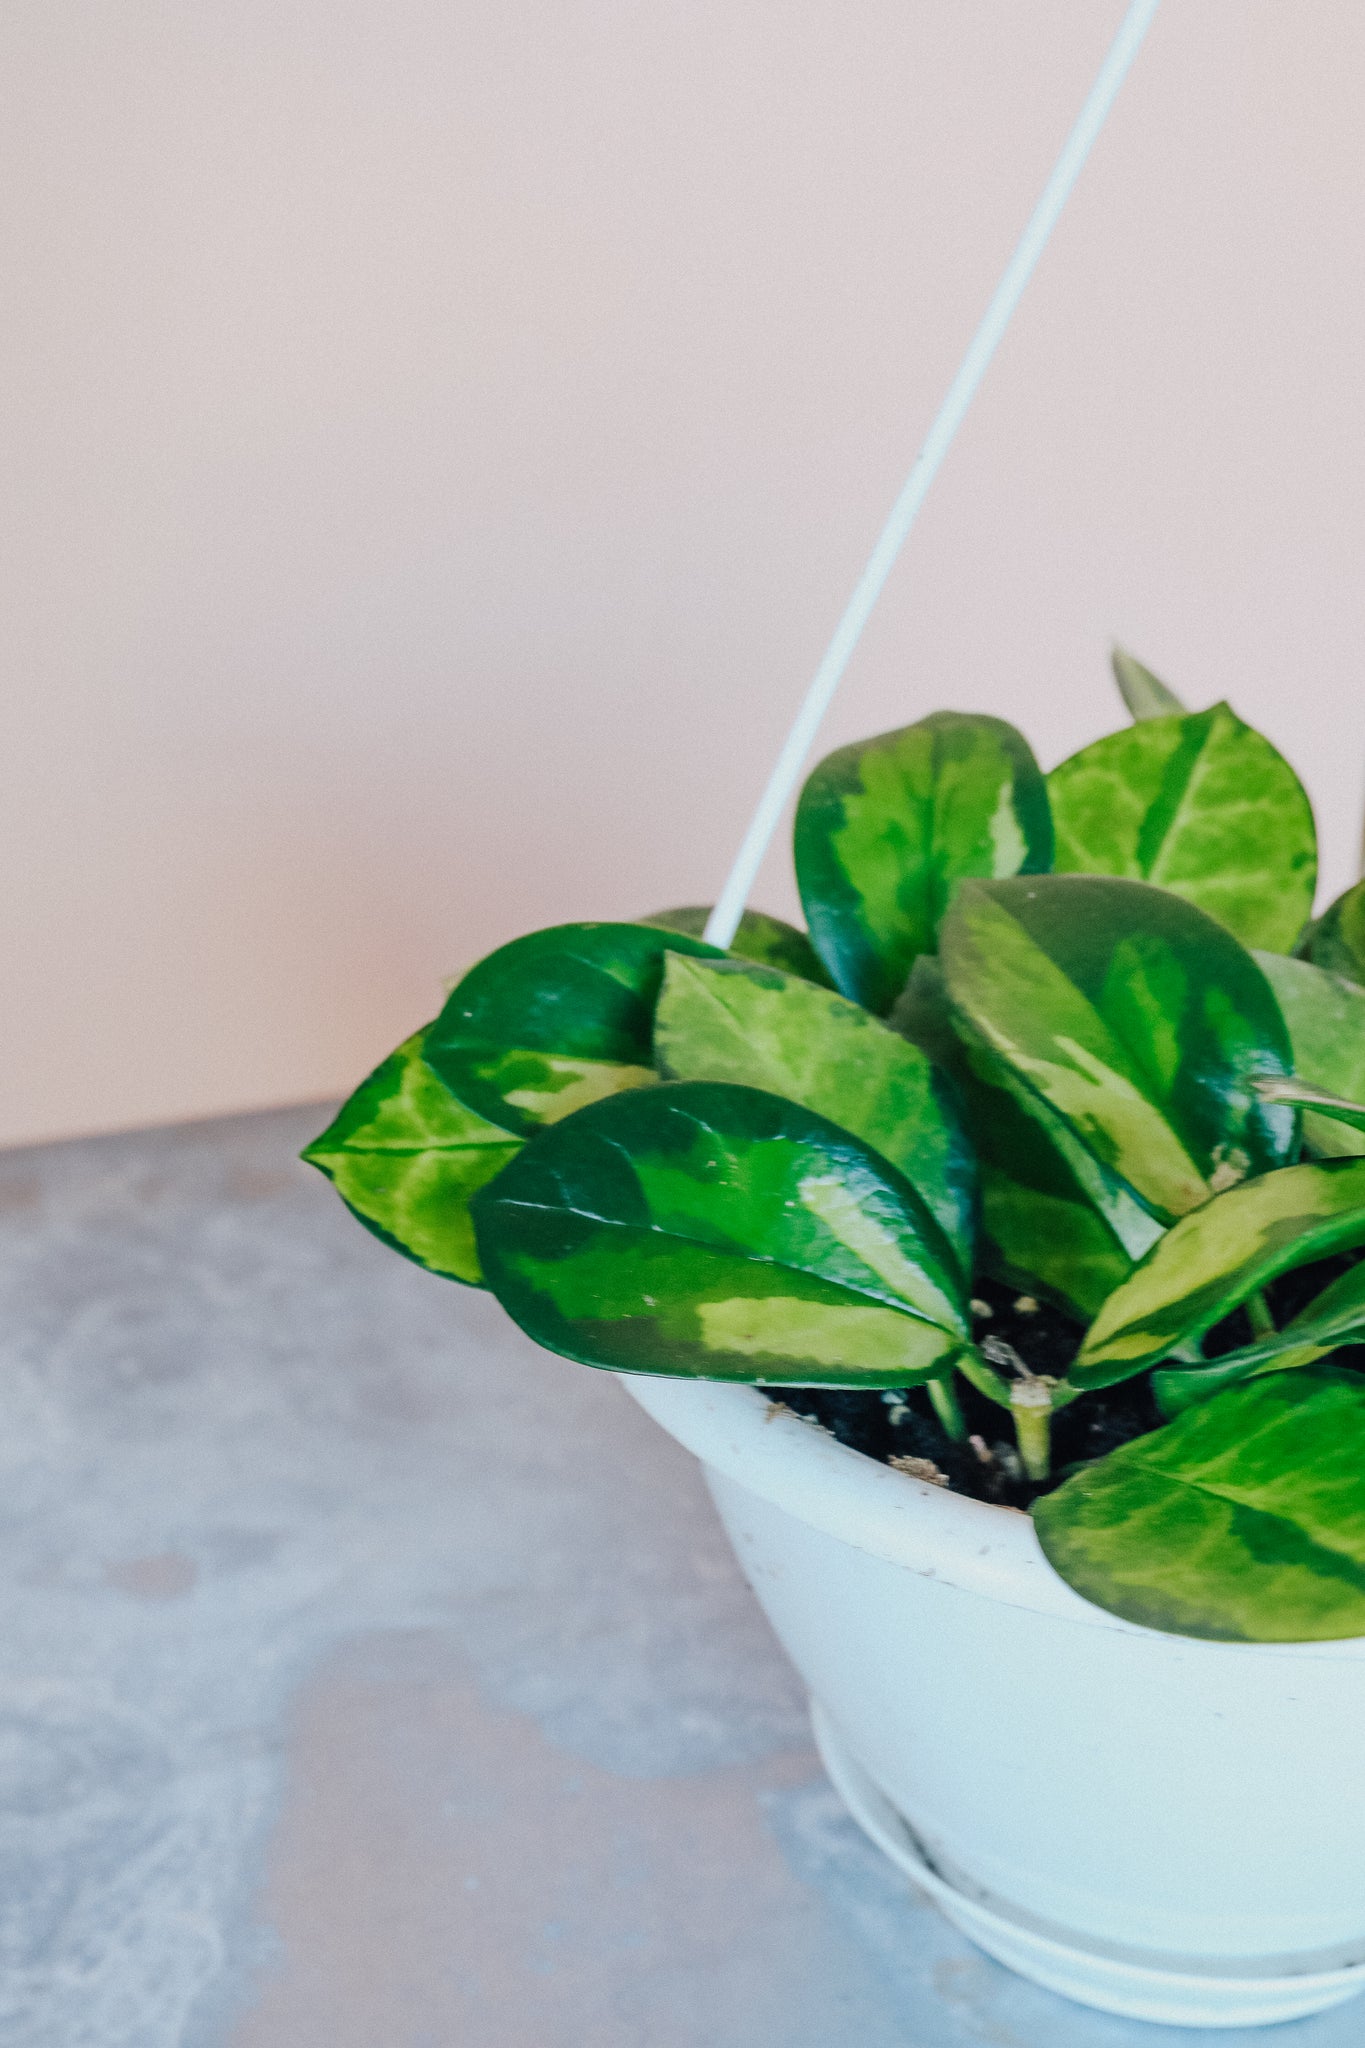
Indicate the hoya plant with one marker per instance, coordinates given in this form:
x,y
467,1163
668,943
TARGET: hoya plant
x,y
1067,1047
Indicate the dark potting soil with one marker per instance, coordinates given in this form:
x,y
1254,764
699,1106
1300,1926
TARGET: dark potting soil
x,y
896,1427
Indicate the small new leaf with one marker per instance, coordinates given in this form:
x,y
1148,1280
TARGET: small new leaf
x,y
1145,694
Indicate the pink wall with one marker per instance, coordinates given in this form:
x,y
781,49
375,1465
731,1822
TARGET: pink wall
x,y
440,437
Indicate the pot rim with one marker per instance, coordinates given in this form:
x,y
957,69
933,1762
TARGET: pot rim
x,y
798,1467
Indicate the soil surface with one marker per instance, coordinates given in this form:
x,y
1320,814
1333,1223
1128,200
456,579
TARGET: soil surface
x,y
901,1428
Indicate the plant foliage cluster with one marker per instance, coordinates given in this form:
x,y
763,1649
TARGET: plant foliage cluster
x,y
1076,1031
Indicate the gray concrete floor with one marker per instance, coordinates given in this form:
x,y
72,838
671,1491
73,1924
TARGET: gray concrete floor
x,y
370,1679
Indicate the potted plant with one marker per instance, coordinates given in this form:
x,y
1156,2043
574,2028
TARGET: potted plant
x,y
1035,1170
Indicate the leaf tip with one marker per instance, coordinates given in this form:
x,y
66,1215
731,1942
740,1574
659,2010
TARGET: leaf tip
x,y
1145,695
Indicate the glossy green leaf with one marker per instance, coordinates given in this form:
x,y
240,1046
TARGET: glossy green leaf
x,y
1337,940
1178,1388
699,1228
886,829
1202,805
1334,1317
1052,1245
1243,1521
405,1157
1136,1017
1326,1019
1208,1264
555,1020
769,940
1145,694
721,1021
1055,1221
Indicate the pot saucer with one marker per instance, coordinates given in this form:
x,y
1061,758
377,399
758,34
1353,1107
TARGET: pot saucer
x,y
1172,1990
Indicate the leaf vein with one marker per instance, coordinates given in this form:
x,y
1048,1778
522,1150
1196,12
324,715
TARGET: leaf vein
x,y
1250,1507
891,1301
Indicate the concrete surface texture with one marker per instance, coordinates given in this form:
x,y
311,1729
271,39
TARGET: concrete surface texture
x,y
439,440
369,1677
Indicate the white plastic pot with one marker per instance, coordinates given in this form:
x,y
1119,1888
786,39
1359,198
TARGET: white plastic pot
x,y
1160,1827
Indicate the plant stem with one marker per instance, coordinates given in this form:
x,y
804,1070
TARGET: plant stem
x,y
943,1395
975,1370
1031,1407
1259,1316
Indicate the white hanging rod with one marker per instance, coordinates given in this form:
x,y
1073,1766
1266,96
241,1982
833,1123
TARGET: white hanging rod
x,y
724,919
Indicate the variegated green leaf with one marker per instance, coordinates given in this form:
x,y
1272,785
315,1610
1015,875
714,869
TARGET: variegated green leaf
x,y
724,1021
1145,694
1058,1222
554,1020
1202,805
405,1157
1136,1017
1055,1221
1337,940
1326,1019
1048,1244
1334,1317
704,1229
1243,1521
761,937
886,829
1209,1263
